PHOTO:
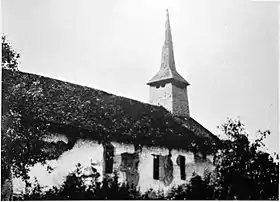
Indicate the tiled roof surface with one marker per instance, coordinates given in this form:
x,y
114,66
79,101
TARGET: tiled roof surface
x,y
103,114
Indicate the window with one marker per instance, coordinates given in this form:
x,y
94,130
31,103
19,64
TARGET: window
x,y
109,162
156,167
108,158
182,164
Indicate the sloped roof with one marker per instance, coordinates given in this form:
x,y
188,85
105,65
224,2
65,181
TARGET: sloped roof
x,y
101,114
168,72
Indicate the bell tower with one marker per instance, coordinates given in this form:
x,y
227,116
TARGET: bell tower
x,y
168,88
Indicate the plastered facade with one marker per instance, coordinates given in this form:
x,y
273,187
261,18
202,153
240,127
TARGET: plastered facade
x,y
86,152
171,97
162,96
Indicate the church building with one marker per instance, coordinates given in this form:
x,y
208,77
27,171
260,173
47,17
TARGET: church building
x,y
157,145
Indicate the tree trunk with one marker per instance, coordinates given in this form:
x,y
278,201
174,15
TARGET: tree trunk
x,y
7,188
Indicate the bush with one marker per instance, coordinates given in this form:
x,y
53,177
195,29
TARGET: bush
x,y
75,188
196,189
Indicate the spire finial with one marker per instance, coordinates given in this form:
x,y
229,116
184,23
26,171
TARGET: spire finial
x,y
167,28
167,15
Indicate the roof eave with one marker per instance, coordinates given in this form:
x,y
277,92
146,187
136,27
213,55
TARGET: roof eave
x,y
154,82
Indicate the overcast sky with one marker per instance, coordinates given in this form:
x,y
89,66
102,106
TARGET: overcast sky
x,y
226,49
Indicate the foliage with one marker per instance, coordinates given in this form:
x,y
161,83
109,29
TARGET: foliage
x,y
9,55
22,128
242,170
196,189
22,132
113,190
76,188
152,195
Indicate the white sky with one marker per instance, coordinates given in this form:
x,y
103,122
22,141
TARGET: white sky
x,y
226,49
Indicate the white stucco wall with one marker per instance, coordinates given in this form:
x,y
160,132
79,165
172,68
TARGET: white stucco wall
x,y
171,97
87,151
162,96
146,180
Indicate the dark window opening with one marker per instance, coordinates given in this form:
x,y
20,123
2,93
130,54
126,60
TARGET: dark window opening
x,y
156,167
183,167
108,158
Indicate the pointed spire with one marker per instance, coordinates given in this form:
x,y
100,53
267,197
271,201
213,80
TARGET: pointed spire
x,y
167,49
167,69
168,36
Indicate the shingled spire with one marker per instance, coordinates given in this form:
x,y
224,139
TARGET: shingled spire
x,y
168,88
168,72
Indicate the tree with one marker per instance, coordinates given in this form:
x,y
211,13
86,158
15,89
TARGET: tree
x,y
243,171
9,55
22,131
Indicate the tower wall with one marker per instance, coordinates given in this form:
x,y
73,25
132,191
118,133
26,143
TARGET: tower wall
x,y
162,96
172,98
180,101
